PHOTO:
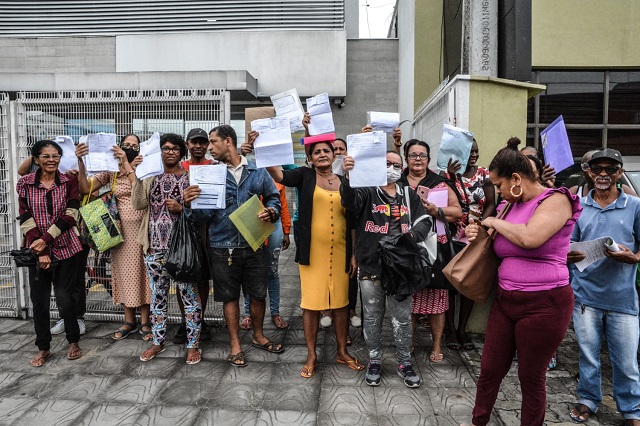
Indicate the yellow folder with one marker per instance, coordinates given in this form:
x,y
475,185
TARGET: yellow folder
x,y
254,230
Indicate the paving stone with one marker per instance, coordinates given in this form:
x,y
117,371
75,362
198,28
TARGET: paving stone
x,y
227,416
111,413
54,412
173,415
284,417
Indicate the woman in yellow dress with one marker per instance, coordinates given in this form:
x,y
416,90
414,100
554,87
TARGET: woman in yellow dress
x,y
324,250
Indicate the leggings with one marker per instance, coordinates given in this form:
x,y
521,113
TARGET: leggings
x,y
160,283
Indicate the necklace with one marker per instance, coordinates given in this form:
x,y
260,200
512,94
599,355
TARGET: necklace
x,y
328,180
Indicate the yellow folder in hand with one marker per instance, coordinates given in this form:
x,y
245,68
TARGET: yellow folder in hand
x,y
254,230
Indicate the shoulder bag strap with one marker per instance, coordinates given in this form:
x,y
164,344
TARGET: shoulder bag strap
x,y
503,213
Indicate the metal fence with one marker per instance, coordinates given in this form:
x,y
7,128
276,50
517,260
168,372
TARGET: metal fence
x,y
9,297
43,115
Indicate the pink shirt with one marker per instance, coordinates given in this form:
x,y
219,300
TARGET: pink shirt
x,y
545,267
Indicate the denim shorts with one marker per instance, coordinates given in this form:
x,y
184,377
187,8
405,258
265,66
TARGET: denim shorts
x,y
247,272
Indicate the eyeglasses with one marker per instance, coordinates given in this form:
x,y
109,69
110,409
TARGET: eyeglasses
x,y
413,156
167,149
54,157
396,166
611,170
135,148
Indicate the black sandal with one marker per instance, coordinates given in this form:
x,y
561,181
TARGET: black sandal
x,y
146,333
581,410
123,332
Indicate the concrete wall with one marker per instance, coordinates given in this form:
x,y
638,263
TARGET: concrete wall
x,y
428,51
406,56
61,54
311,61
372,83
585,33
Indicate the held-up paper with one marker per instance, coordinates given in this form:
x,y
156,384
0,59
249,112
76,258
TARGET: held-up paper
x,y
287,104
273,146
455,145
439,197
151,158
100,157
369,152
251,114
383,121
68,161
319,109
336,167
254,230
555,145
593,250
212,180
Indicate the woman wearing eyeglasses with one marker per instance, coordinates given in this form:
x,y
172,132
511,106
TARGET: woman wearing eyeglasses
x,y
384,211
431,302
129,280
48,206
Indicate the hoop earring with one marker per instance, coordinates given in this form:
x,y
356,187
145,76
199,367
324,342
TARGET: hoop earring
x,y
516,195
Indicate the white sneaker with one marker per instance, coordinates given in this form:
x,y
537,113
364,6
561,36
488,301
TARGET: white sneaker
x,y
58,328
83,328
356,321
326,321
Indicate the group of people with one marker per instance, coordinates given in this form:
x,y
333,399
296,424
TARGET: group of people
x,y
337,230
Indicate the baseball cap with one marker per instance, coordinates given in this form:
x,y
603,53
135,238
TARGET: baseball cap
x,y
197,134
608,153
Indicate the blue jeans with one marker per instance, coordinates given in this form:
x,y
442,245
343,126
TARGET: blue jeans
x,y
622,333
271,256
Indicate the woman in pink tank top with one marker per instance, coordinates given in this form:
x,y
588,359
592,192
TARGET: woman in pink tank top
x,y
534,301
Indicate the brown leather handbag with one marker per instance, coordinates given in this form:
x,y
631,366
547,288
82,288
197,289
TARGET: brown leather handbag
x,y
474,271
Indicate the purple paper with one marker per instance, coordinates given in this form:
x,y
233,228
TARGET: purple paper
x,y
555,145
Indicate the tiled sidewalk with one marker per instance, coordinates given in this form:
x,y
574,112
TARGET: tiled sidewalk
x,y
110,386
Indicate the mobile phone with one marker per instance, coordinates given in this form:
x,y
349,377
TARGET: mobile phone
x,y
423,192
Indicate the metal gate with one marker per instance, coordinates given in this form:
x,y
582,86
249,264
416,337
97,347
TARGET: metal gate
x,y
43,115
9,298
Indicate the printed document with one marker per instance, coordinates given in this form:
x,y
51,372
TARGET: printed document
x,y
369,152
273,146
100,157
319,109
287,104
151,158
68,161
555,145
212,180
383,121
593,250
455,145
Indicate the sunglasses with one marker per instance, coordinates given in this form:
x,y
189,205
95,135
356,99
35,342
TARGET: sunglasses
x,y
611,170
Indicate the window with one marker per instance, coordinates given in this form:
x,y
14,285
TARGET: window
x,y
600,108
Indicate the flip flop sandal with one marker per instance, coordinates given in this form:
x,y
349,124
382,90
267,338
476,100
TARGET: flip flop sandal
x,y
434,357
147,335
274,348
124,332
454,345
279,322
581,409
39,361
469,346
353,364
245,324
308,372
197,355
71,355
149,355
233,360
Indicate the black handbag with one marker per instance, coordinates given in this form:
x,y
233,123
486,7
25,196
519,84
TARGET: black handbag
x,y
24,257
446,252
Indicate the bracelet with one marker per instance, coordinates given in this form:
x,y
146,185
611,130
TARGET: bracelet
x,y
129,172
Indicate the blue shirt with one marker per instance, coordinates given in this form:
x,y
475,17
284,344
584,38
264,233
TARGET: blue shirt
x,y
607,284
222,232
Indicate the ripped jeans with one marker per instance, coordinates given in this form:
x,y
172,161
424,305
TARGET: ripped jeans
x,y
374,302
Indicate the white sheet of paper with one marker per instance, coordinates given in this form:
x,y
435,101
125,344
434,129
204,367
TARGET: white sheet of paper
x,y
100,157
287,104
273,146
439,197
151,158
593,250
319,109
383,121
369,152
69,161
212,180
